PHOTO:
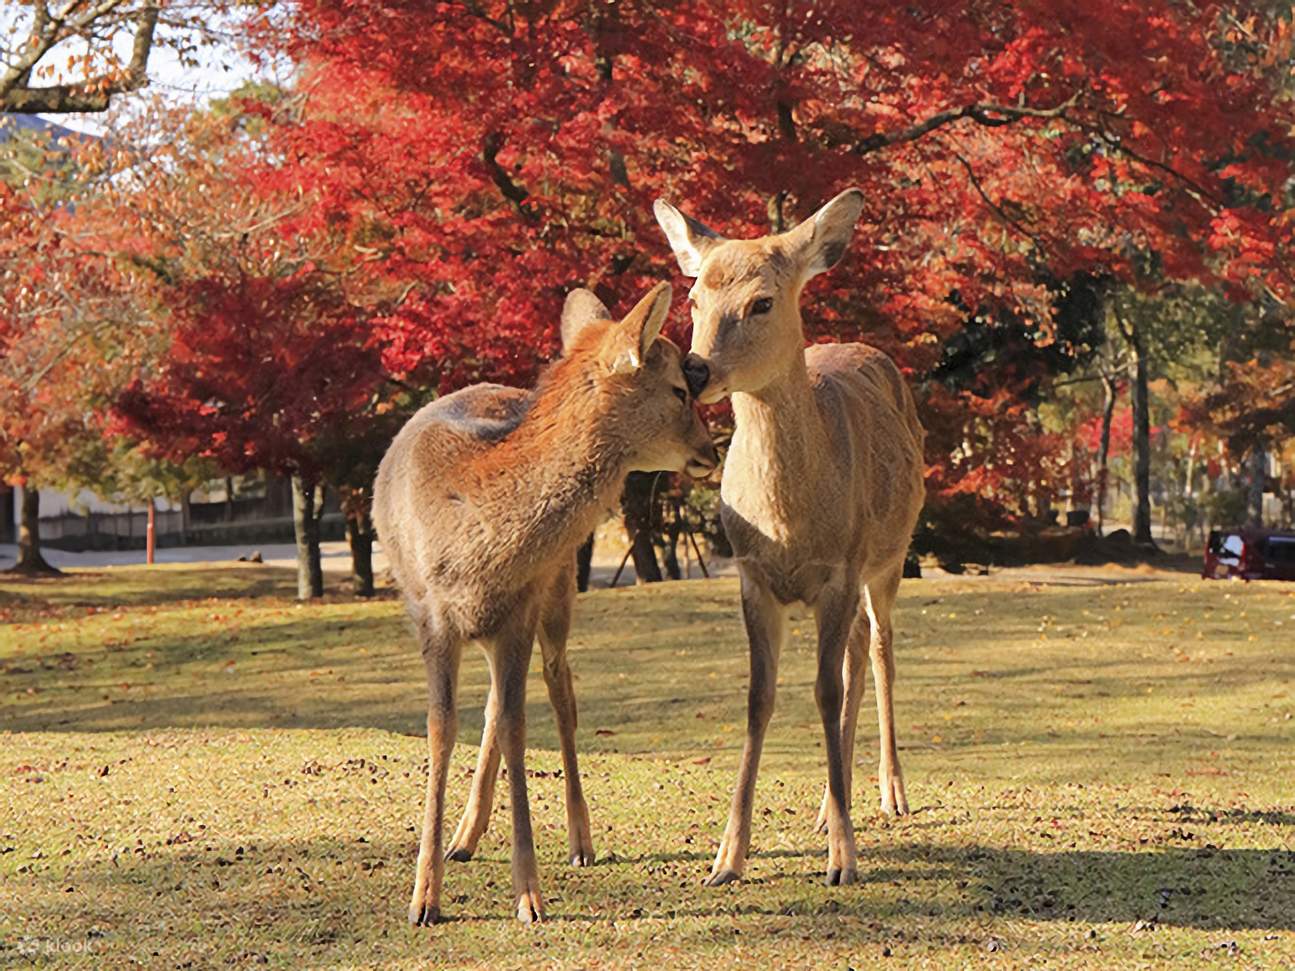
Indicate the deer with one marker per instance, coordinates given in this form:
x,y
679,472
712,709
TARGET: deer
x,y
481,501
821,488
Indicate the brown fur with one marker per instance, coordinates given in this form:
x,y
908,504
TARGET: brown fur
x,y
481,502
822,487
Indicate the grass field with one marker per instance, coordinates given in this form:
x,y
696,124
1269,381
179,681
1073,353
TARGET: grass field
x,y
195,771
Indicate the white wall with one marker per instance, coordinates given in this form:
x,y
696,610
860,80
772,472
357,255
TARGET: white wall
x,y
55,503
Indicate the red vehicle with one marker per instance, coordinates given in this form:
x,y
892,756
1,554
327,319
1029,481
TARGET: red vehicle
x,y
1249,554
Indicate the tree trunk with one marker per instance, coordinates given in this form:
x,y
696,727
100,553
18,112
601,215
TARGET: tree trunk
x,y
310,572
1191,503
584,563
229,499
30,560
1255,499
636,506
1189,474
186,516
1110,392
8,515
1141,441
359,533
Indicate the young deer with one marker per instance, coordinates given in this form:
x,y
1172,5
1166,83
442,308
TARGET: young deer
x,y
481,502
822,486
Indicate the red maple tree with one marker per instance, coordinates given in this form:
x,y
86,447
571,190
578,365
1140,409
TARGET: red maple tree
x,y
484,157
266,363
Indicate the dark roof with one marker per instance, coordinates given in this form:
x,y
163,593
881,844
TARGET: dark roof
x,y
11,123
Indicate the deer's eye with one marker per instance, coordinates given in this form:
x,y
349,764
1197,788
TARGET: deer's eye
x,y
681,394
761,306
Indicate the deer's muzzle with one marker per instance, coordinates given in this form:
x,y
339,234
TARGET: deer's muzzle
x,y
696,373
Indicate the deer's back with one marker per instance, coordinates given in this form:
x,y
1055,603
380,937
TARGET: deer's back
x,y
861,389
430,509
869,414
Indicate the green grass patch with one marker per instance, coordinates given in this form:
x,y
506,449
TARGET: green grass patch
x,y
197,771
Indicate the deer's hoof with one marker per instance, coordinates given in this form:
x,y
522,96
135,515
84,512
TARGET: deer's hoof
x,y
582,858
530,908
458,854
424,916
721,877
837,877
894,800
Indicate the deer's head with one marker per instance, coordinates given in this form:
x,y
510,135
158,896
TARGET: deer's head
x,y
638,379
746,299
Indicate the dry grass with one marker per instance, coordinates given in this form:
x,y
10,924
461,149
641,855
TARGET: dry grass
x,y
195,776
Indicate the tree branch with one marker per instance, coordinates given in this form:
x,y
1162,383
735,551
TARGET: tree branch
x,y
987,114
92,94
997,208
1206,199
511,190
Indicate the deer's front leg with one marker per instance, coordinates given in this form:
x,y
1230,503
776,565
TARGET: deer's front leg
x,y
766,623
853,673
555,624
835,611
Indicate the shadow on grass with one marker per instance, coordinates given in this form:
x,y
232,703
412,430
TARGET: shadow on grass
x,y
1206,887
291,673
1187,813
161,584
320,891
1212,890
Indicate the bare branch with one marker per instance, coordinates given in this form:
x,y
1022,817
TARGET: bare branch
x,y
997,208
518,194
987,114
47,31
1206,199
91,94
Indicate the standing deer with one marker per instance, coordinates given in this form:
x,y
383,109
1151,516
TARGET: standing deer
x,y
821,488
481,502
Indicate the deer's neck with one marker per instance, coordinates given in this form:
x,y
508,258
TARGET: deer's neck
x,y
779,436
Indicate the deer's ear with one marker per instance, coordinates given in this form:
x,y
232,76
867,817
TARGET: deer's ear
x,y
581,309
821,240
636,334
688,238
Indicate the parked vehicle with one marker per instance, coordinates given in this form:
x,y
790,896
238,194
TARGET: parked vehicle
x,y
1249,554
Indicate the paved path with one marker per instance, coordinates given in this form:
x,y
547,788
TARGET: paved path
x,y
335,557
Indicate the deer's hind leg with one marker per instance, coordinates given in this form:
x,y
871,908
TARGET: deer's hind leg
x,y
510,657
835,611
890,778
853,673
441,650
555,624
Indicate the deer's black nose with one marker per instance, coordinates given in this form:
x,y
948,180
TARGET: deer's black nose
x,y
696,373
